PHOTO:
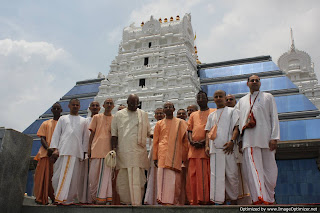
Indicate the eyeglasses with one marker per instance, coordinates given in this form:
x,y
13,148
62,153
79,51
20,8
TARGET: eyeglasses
x,y
255,80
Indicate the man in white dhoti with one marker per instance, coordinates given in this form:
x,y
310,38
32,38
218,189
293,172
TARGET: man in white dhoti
x,y
69,142
223,166
244,194
259,142
83,188
151,192
129,129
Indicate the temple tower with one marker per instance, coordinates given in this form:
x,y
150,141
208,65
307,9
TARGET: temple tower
x,y
299,68
156,61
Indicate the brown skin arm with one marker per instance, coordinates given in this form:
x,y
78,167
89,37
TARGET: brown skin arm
x,y
55,154
114,142
273,145
90,142
229,145
207,148
190,137
196,144
44,142
45,145
240,147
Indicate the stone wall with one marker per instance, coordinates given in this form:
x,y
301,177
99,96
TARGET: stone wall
x,y
15,150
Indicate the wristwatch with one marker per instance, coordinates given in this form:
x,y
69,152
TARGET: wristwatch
x,y
233,141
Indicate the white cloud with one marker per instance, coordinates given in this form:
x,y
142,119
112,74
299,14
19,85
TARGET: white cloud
x,y
210,8
29,80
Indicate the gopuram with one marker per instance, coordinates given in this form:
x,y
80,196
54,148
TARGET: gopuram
x,y
156,61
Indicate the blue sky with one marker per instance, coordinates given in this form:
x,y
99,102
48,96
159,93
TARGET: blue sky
x,y
46,46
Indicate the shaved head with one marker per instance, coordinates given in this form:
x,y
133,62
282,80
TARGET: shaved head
x,y
133,102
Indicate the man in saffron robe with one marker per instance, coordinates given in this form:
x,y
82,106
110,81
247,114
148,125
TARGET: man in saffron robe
x,y
100,176
223,166
69,142
151,192
199,165
130,128
83,190
169,151
182,114
191,109
260,142
43,175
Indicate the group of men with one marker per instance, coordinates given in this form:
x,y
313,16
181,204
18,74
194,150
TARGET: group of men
x,y
217,155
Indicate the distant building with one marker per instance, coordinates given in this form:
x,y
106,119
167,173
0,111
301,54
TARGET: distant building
x,y
299,68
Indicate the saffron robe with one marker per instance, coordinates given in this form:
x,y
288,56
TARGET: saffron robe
x,y
170,143
199,170
100,176
261,176
44,171
170,149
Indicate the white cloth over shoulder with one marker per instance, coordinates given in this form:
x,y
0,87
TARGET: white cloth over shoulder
x,y
267,122
70,136
132,129
229,119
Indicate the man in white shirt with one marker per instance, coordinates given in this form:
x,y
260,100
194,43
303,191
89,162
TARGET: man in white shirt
x,y
68,142
259,142
129,129
223,166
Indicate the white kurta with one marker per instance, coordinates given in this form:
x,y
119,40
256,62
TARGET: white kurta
x,y
69,138
223,168
132,157
125,126
259,162
229,119
267,122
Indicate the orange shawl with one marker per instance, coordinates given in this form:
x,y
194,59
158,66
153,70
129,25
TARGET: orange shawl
x,y
170,143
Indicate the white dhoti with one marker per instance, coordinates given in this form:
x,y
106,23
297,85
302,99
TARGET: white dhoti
x,y
261,172
65,179
151,192
130,185
83,188
224,177
169,186
244,197
100,179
